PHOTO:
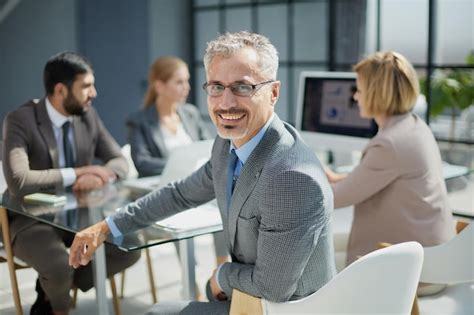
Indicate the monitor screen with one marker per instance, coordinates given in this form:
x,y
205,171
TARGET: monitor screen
x,y
326,105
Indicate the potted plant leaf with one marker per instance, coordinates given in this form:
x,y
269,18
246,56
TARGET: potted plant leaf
x,y
452,90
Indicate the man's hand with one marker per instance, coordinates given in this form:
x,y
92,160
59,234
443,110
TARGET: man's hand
x,y
87,182
216,292
86,243
104,173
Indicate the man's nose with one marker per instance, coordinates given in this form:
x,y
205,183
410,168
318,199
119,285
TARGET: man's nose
x,y
93,92
228,99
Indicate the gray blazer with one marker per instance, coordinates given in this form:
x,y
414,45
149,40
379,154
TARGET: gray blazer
x,y
30,154
277,227
148,149
398,189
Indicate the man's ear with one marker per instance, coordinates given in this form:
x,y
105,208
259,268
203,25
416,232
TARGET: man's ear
x,y
61,90
275,92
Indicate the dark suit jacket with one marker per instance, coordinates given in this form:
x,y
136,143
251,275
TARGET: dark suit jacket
x,y
30,154
147,145
277,226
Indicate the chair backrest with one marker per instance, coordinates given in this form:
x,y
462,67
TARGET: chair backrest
x,y
3,183
381,282
132,170
451,262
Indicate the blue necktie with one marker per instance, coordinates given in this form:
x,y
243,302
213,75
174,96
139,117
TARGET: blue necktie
x,y
68,156
231,178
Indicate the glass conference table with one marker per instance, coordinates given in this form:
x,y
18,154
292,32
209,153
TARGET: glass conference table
x,y
80,212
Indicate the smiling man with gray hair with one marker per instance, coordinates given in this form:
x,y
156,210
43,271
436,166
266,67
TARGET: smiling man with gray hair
x,y
272,192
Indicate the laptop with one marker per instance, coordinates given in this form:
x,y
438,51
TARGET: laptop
x,y
182,162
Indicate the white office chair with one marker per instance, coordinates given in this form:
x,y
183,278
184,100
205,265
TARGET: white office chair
x,y
450,263
382,282
132,170
340,249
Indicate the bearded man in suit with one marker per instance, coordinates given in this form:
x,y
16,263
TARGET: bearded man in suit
x,y
271,190
50,145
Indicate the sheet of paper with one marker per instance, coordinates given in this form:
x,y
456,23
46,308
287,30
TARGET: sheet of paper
x,y
197,218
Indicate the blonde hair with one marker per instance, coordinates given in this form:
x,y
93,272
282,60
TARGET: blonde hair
x,y
390,83
162,69
230,43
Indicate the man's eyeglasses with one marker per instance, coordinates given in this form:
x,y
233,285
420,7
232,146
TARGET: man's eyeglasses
x,y
238,89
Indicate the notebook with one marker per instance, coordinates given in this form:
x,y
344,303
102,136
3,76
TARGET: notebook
x,y
42,198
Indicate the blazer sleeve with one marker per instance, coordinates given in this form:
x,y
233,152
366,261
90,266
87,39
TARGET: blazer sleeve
x,y
378,168
108,151
294,214
146,163
22,180
175,197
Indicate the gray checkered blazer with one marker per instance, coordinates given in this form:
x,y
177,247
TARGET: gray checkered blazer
x,y
277,226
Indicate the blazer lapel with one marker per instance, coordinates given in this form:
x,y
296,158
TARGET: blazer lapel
x,y
46,129
250,174
153,126
220,158
189,125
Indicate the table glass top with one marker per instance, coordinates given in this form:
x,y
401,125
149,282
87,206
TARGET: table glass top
x,y
80,211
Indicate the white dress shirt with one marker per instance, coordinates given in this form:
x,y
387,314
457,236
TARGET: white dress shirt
x,y
57,120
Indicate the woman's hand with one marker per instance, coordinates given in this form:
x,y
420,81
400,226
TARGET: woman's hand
x,y
334,177
86,243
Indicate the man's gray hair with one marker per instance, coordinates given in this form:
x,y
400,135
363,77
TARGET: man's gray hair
x,y
230,43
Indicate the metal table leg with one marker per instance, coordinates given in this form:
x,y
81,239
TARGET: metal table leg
x,y
99,269
100,280
188,264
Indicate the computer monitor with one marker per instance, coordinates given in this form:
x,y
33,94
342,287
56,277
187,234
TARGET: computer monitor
x,y
328,116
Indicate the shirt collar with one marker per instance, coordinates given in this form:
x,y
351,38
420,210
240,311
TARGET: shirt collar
x,y
244,151
56,117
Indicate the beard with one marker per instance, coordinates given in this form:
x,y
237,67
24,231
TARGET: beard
x,y
230,132
72,106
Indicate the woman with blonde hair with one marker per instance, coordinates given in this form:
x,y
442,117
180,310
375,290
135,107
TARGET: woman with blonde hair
x,y
166,120
397,190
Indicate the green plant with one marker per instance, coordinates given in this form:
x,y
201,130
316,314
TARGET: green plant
x,y
451,89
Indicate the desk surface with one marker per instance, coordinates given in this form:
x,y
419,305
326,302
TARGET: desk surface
x,y
76,214
461,195
450,171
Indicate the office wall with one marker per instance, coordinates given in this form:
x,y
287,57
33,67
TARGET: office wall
x,y
169,29
113,34
29,35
